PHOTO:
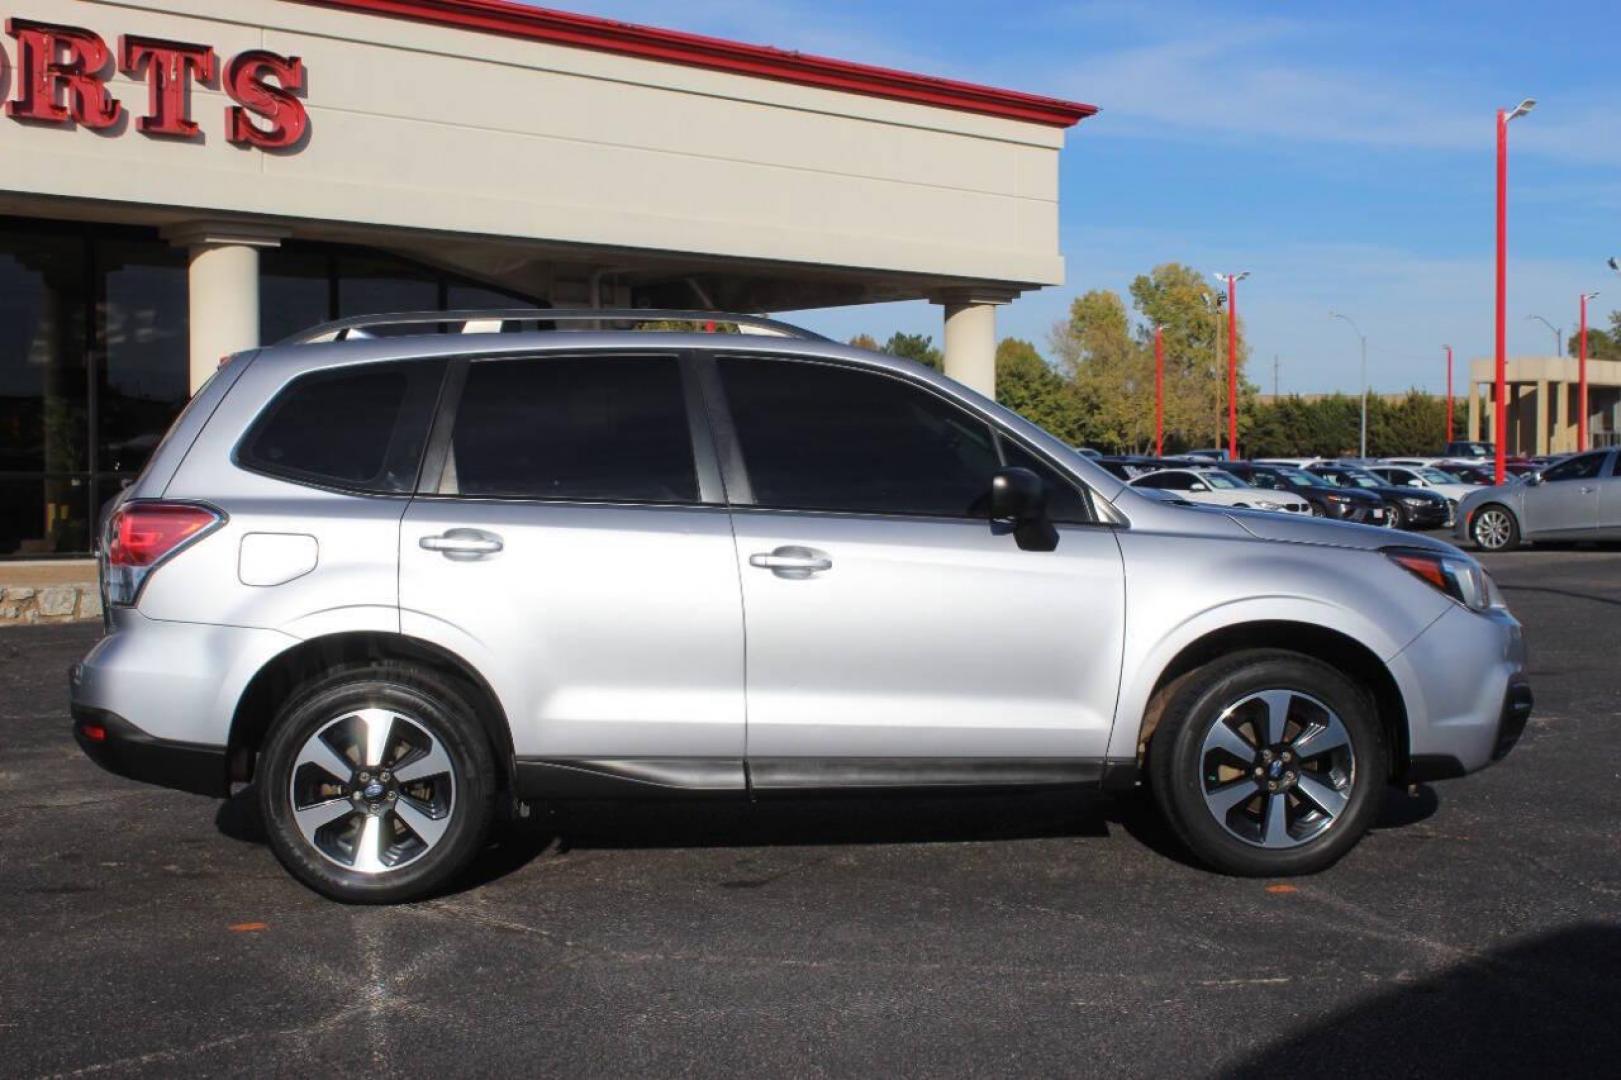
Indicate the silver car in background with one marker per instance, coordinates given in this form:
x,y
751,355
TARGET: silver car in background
x,y
1578,498
407,585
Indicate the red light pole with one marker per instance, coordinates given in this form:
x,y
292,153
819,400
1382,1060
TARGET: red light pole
x,y
1449,392
1500,388
1581,377
1159,391
1232,281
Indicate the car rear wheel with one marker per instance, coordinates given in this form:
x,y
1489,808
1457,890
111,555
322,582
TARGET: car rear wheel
x,y
1268,763
1493,528
376,785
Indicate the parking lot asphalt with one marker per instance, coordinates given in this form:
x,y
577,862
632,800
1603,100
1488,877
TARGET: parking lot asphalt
x,y
1476,932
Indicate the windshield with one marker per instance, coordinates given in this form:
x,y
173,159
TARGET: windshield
x,y
1221,480
1353,479
1436,476
1302,478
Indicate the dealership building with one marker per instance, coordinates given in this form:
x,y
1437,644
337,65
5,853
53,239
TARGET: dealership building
x,y
183,179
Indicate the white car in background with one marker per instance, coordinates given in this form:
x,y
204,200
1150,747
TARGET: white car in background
x,y
1418,476
1214,487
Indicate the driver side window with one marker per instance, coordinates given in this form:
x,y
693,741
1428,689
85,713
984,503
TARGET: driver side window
x,y
1583,467
819,436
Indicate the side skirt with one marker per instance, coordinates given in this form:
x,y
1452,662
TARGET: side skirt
x,y
670,777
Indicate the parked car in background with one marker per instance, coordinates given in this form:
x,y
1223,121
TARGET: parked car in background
x,y
1326,500
1293,462
1410,508
1579,498
1129,467
402,587
1469,450
1215,487
1210,453
1426,479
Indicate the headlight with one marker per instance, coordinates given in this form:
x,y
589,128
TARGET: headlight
x,y
1462,579
1415,501
1336,498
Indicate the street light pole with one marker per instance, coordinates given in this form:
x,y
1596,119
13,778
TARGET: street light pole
x,y
1581,376
1159,391
1232,359
1558,335
1500,405
1364,339
1449,392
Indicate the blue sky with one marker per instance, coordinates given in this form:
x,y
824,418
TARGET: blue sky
x,y
1343,153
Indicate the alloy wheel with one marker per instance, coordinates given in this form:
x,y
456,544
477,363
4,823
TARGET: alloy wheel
x,y
373,790
1277,768
1492,528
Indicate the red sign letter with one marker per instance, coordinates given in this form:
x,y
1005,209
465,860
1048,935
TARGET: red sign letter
x,y
51,59
170,66
245,82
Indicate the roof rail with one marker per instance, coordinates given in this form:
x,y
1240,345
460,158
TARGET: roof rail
x,y
490,321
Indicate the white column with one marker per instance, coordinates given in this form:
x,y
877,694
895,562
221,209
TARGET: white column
x,y
224,289
970,336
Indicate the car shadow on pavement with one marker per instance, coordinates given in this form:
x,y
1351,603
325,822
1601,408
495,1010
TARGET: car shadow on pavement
x,y
1545,1006
830,820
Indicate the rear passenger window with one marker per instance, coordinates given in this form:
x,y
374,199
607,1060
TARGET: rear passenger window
x,y
359,428
598,429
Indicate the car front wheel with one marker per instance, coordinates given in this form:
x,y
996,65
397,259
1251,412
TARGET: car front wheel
x,y
1268,763
1493,528
376,784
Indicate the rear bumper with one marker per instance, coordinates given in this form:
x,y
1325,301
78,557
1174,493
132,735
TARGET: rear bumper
x,y
122,748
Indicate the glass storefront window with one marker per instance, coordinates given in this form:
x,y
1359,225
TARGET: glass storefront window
x,y
295,291
142,330
94,355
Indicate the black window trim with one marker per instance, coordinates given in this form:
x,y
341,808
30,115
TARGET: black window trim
x,y
706,467
734,469
327,483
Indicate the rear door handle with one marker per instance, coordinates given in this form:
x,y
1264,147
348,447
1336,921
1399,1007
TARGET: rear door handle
x,y
792,562
462,545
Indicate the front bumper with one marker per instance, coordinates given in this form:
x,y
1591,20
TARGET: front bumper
x,y
1468,699
1427,516
122,748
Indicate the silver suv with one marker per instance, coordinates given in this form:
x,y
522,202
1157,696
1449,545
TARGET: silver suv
x,y
408,584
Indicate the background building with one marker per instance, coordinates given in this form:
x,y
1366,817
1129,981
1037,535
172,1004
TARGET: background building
x,y
1543,403
185,178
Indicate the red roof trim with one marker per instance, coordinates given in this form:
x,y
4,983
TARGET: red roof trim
x,y
586,32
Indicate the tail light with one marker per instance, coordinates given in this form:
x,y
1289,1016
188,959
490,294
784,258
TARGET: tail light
x,y
141,535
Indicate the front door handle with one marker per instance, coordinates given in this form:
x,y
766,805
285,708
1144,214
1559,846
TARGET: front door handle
x,y
462,545
1588,490
792,562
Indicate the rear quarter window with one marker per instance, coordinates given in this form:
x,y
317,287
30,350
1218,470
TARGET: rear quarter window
x,y
359,428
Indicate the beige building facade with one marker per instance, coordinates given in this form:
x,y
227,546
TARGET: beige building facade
x,y
188,178
1543,403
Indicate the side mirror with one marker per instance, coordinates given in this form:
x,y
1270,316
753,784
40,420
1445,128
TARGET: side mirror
x,y
1019,501
1199,485
1533,478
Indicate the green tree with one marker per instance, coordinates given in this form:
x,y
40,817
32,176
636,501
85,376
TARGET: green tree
x,y
1028,385
918,347
1096,352
1189,309
1601,344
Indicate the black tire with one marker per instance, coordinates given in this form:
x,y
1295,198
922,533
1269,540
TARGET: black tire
x,y
1397,517
1177,760
1494,539
430,704
1317,510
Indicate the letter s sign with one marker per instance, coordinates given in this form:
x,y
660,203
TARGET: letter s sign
x,y
284,117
